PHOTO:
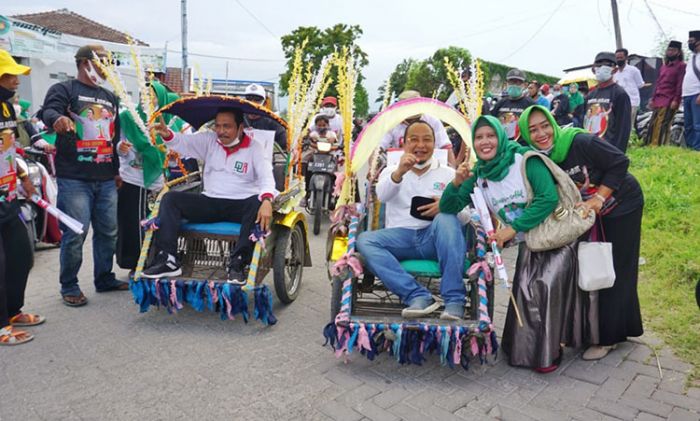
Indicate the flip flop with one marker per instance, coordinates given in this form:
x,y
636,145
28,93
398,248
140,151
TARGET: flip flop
x,y
27,319
8,337
75,300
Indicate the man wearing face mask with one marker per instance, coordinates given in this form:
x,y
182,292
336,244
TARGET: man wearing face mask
x,y
560,106
86,168
238,187
667,95
256,93
630,78
691,93
509,108
607,107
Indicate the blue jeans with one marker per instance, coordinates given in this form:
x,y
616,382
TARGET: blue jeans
x,y
88,202
443,241
691,116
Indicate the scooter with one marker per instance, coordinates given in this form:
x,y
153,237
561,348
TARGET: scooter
x,y
322,168
42,227
677,127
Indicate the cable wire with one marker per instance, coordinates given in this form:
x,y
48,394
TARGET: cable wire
x,y
269,31
536,32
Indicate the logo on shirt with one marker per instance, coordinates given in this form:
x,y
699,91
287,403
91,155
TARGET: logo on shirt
x,y
241,167
439,186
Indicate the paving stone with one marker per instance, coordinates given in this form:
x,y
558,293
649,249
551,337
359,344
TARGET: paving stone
x,y
587,372
407,413
613,409
340,412
642,386
342,379
374,412
469,413
677,400
647,405
674,382
679,414
694,392
612,388
640,353
643,416
673,363
505,413
391,397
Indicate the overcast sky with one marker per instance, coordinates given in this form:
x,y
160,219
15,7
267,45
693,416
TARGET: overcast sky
x,y
539,35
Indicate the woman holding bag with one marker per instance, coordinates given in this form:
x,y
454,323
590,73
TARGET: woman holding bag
x,y
609,190
544,286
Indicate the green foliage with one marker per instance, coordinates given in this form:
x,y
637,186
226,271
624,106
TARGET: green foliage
x,y
322,43
670,245
361,101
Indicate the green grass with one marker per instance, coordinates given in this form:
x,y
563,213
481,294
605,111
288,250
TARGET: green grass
x,y
670,178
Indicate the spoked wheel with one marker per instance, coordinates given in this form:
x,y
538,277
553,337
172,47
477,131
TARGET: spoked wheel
x,y
288,263
318,210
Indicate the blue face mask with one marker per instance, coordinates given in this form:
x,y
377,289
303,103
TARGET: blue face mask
x,y
565,89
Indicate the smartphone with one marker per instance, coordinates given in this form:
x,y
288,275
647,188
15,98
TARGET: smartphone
x,y
418,201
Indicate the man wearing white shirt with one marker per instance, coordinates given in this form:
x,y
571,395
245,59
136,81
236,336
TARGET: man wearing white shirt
x,y
421,233
630,78
238,187
691,93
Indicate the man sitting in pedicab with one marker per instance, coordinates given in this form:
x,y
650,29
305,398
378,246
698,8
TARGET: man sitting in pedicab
x,y
414,228
238,187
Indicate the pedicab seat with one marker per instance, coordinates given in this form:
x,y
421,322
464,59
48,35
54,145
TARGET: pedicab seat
x,y
426,268
215,228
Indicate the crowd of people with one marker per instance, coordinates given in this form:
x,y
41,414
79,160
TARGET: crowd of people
x,y
106,167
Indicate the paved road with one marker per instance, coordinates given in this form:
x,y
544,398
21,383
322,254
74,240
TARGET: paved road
x,y
106,361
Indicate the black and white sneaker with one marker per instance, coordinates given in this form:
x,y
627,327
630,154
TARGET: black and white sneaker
x,y
165,265
236,277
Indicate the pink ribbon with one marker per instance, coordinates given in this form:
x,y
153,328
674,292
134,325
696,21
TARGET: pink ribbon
x,y
457,355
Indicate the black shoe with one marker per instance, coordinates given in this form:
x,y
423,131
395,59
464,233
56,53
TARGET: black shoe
x,y
236,276
165,265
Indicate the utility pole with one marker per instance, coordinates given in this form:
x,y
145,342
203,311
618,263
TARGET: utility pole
x,y
616,22
183,24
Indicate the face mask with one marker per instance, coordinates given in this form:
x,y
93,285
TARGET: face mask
x,y
328,111
621,63
603,73
566,89
514,91
691,46
93,75
421,165
556,93
234,142
671,58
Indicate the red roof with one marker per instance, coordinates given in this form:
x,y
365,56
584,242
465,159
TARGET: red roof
x,y
67,22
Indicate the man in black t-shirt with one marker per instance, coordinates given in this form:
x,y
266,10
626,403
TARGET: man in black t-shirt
x,y
85,117
509,108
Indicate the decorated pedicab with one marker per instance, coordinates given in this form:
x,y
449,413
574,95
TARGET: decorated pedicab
x,y
365,315
204,248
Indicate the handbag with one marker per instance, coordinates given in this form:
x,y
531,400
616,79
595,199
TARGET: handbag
x,y
595,266
566,223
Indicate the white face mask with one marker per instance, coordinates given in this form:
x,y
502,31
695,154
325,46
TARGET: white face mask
x,y
93,75
556,93
603,73
232,143
328,111
426,163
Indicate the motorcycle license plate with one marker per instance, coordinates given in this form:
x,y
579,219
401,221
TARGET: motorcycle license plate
x,y
321,166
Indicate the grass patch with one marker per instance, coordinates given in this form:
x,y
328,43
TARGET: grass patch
x,y
670,178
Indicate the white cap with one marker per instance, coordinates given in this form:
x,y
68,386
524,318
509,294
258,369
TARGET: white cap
x,y
255,89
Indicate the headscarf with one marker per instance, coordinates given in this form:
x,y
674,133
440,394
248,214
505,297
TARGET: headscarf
x,y
576,98
152,157
496,168
561,139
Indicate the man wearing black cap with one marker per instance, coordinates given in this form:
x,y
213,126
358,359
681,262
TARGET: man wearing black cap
x,y
667,95
85,117
607,107
691,93
509,108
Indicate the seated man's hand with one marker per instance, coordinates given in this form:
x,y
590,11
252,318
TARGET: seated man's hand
x,y
264,215
430,209
407,161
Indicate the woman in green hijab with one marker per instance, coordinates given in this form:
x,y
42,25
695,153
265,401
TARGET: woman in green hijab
x,y
576,101
544,285
141,171
599,169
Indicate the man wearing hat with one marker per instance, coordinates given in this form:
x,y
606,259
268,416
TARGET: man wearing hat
x,y
85,117
629,78
509,108
15,248
607,107
691,93
667,95
256,93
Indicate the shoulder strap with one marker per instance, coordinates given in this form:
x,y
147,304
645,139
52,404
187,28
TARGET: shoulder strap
x,y
693,61
567,190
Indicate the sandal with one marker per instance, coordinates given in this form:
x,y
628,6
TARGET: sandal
x,y
27,319
75,300
9,337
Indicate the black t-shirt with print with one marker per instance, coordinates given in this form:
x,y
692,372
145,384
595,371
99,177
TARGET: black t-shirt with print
x,y
8,177
561,109
608,115
508,112
89,153
591,162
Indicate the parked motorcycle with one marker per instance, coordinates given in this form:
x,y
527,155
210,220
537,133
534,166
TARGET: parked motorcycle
x,y
322,168
677,137
41,226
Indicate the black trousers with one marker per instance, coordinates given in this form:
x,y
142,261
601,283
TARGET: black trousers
x,y
198,208
16,260
131,209
619,315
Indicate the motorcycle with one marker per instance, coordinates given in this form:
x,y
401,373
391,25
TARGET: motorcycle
x,y
322,168
643,122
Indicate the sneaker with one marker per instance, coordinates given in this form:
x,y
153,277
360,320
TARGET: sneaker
x,y
420,307
453,312
236,277
597,352
165,265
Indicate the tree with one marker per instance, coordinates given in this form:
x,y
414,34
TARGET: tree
x,y
322,43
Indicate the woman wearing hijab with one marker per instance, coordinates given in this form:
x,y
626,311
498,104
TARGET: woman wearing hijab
x,y
544,285
576,101
141,170
600,171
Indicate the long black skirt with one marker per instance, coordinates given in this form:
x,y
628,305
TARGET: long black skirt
x,y
132,207
619,313
554,311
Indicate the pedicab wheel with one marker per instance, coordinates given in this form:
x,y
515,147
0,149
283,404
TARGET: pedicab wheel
x,y
318,211
288,263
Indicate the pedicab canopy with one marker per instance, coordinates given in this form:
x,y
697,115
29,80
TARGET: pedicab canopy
x,y
382,123
200,110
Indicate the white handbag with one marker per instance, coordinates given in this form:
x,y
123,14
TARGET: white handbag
x,y
595,266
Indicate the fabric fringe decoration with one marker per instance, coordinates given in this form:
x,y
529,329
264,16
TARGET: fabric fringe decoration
x,y
410,343
227,299
150,224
